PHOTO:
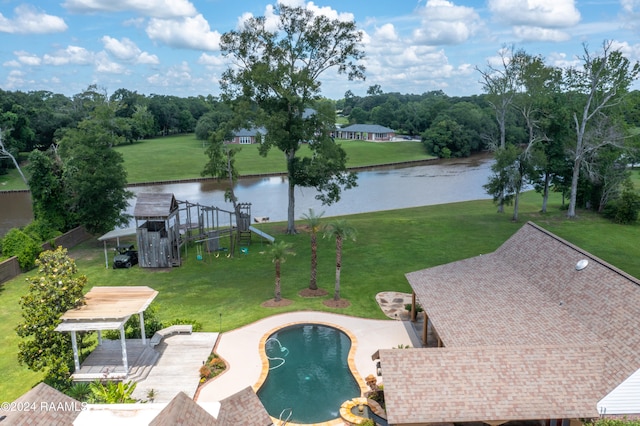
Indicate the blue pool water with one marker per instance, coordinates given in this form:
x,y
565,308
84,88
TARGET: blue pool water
x,y
309,377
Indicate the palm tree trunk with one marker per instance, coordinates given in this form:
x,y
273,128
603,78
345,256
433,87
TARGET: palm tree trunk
x,y
313,281
336,292
277,295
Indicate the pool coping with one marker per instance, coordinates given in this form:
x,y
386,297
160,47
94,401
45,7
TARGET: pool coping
x,y
350,361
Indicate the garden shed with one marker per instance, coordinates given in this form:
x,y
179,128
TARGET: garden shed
x,y
157,230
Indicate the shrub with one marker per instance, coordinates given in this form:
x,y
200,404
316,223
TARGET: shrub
x,y
408,307
196,326
20,244
41,230
624,210
111,392
132,326
80,391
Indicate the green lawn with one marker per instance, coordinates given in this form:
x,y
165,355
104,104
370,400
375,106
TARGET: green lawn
x,y
183,157
388,245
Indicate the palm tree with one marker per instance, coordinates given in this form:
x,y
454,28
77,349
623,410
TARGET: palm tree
x,y
341,230
279,253
313,220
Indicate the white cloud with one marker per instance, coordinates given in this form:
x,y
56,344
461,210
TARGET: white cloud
x,y
178,75
105,65
152,8
212,61
29,20
272,19
540,34
561,60
190,32
445,23
11,64
630,5
126,50
630,13
387,32
15,80
630,51
536,13
27,58
75,55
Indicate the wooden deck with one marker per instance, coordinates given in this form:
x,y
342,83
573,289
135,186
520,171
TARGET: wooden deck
x,y
105,362
169,368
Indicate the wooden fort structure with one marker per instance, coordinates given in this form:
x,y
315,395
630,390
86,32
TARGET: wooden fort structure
x,y
165,225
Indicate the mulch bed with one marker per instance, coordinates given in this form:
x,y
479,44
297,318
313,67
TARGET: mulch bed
x,y
271,303
307,292
337,304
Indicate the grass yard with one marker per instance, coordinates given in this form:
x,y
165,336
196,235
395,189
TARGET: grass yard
x,y
388,245
183,157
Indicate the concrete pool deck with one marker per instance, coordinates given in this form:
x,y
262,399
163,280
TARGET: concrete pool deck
x,y
240,348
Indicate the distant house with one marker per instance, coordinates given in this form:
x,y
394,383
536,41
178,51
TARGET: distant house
x,y
365,132
248,136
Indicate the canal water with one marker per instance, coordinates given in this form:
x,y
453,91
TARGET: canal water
x,y
385,188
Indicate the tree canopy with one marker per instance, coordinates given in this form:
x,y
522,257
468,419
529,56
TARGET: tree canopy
x,y
275,81
55,289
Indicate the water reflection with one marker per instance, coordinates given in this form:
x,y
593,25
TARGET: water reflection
x,y
381,189
443,181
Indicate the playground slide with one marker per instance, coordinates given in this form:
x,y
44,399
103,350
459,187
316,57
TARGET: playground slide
x,y
262,234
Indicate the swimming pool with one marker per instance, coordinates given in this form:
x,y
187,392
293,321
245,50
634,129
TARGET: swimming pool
x,y
309,375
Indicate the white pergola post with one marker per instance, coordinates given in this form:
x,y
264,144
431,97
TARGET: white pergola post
x,y
99,337
142,332
74,344
123,344
106,258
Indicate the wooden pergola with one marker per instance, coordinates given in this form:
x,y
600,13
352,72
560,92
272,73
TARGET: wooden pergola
x,y
107,308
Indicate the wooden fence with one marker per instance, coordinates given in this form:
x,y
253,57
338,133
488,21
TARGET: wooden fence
x,y
10,268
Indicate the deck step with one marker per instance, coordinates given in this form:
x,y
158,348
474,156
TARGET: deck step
x,y
140,369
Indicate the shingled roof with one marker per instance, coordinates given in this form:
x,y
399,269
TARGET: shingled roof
x,y
526,296
243,408
43,405
183,411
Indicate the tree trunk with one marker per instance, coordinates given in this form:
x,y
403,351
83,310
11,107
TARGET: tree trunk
x,y
545,192
291,211
571,212
516,206
336,292
313,281
277,292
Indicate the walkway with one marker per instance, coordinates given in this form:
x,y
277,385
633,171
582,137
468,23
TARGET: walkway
x,y
178,367
240,347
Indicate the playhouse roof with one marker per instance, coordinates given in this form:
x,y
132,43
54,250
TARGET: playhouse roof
x,y
158,206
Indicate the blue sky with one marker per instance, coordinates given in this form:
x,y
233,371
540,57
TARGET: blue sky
x,y
171,46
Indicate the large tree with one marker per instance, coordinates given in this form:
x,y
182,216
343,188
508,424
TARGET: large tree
x,y
56,288
600,83
94,178
277,66
47,189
